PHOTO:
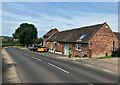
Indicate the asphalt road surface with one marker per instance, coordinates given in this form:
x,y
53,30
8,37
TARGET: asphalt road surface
x,y
36,68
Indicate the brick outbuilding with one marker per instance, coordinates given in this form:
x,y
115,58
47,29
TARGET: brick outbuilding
x,y
118,36
89,41
48,35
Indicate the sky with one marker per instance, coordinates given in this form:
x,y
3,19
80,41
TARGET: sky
x,y
62,15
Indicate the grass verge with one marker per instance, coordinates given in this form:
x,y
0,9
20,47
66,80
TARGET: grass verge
x,y
103,57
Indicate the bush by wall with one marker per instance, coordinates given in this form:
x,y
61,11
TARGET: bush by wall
x,y
116,53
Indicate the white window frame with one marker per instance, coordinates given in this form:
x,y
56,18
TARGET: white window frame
x,y
77,47
106,26
82,36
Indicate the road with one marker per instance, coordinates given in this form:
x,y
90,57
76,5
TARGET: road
x,y
36,68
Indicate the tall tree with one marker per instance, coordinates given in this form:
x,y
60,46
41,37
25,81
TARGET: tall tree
x,y
38,41
25,33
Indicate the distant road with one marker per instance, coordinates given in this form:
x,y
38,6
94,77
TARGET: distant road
x,y
36,68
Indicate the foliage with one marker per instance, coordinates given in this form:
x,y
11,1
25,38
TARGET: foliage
x,y
38,41
25,33
9,41
116,53
11,44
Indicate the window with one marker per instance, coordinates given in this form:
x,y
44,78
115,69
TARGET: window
x,y
106,26
47,44
78,46
81,37
54,44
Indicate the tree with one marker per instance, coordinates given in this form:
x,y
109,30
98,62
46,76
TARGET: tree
x,y
116,53
25,33
38,41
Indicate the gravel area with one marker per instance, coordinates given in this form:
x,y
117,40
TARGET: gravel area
x,y
110,60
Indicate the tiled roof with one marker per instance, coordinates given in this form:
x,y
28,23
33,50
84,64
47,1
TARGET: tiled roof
x,y
49,33
74,34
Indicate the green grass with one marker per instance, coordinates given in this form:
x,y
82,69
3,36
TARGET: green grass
x,y
103,57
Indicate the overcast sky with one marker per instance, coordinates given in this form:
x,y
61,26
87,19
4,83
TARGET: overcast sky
x,y
63,15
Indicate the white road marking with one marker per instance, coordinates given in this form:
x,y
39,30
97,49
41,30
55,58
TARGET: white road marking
x,y
37,58
76,62
107,70
88,65
58,67
90,83
25,54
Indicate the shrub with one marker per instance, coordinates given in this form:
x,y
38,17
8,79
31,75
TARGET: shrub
x,y
116,53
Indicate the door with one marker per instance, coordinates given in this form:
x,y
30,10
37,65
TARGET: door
x,y
90,53
66,49
54,46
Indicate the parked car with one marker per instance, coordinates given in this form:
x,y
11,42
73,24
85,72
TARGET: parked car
x,y
32,47
42,49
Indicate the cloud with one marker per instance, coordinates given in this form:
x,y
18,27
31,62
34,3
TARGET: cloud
x,y
43,24
14,5
112,20
66,16
62,14
57,16
69,24
60,1
18,17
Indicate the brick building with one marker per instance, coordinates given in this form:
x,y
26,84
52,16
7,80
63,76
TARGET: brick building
x,y
118,36
90,41
48,35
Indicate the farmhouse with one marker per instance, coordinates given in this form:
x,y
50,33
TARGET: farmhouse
x,y
89,41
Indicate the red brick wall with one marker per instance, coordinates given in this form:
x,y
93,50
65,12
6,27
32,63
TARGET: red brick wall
x,y
80,53
118,36
44,42
60,47
49,45
102,42
50,34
